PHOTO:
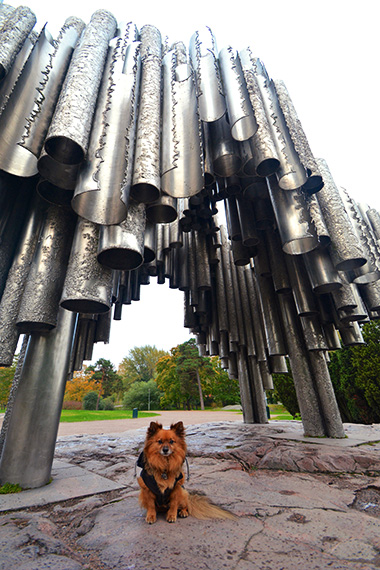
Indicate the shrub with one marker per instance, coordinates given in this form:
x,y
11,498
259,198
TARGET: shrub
x,y
108,404
90,400
72,405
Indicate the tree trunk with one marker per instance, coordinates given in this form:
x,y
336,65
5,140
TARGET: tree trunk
x,y
200,391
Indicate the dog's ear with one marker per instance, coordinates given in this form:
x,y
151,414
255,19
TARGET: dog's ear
x,y
153,428
178,429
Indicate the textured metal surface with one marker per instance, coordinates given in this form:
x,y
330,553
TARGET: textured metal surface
x,y
240,113
14,30
346,251
296,229
88,285
29,445
370,271
40,300
204,59
182,153
303,379
69,132
102,191
264,152
121,246
314,181
17,276
291,173
25,119
146,174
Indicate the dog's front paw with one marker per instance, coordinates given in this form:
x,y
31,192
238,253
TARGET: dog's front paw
x,y
171,517
151,518
183,513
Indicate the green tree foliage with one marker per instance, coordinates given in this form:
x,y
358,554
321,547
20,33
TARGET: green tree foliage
x,y
142,395
355,374
91,401
177,379
140,365
285,392
110,382
6,378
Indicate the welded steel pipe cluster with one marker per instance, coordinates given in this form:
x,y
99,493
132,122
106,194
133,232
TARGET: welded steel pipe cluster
x,y
117,153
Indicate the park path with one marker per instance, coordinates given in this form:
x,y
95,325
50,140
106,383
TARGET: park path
x,y
165,418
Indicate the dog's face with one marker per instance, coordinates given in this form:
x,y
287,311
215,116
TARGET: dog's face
x,y
166,442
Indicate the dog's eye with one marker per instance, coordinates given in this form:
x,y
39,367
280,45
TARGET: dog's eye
x,y
171,441
160,441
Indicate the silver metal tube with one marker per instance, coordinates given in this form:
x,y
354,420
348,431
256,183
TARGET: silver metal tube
x,y
323,276
346,251
241,116
204,59
265,157
303,380
314,180
14,30
102,191
182,153
69,132
25,119
146,174
16,280
297,231
29,445
225,152
88,285
121,246
40,300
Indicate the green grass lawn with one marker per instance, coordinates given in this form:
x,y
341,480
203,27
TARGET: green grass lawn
x,y
93,415
278,412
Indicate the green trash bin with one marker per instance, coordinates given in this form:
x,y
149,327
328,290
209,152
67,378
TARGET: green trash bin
x,y
135,413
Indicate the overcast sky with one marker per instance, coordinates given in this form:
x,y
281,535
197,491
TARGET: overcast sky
x,y
326,52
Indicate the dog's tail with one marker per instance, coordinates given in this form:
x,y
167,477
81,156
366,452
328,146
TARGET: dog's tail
x,y
200,507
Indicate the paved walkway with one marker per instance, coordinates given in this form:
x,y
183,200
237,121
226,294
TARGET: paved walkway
x,y
165,418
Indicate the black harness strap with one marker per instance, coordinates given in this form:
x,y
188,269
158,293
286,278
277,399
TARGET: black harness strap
x,y
162,499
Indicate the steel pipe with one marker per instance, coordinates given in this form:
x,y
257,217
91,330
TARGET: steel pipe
x,y
39,305
182,153
240,113
88,285
30,441
204,59
146,173
15,28
121,246
25,119
102,191
69,132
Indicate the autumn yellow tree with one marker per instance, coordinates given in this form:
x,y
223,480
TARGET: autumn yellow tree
x,y
83,381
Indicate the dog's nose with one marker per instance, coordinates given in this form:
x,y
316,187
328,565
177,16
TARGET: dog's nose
x,y
165,449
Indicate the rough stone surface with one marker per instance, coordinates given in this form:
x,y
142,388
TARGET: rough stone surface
x,y
298,505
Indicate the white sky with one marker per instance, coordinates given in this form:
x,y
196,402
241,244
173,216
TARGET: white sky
x,y
326,52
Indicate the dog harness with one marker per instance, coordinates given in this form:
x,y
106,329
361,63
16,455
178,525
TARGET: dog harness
x,y
162,498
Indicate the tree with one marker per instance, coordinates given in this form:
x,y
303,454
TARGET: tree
x,y
104,372
355,374
285,391
140,365
6,378
83,381
143,395
177,378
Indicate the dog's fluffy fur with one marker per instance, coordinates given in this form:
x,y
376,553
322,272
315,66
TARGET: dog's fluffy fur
x,y
164,455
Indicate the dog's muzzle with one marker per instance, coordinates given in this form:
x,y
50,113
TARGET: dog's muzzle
x,y
166,450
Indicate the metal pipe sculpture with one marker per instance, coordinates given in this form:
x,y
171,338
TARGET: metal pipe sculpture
x,y
297,264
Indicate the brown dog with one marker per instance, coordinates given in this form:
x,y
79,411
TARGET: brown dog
x,y
161,479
